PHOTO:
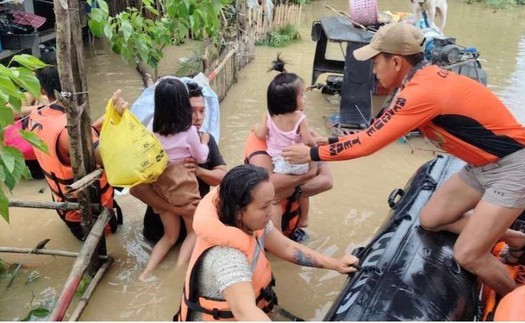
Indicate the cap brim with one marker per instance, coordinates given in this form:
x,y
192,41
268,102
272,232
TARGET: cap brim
x,y
364,53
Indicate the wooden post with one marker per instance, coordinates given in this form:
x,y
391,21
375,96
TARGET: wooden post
x,y
71,69
50,205
48,252
83,302
88,250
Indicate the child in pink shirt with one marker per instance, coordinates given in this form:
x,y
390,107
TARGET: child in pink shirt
x,y
284,125
172,124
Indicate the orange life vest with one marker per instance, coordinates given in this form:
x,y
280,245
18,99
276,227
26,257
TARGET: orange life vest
x,y
212,232
489,298
290,206
510,308
48,123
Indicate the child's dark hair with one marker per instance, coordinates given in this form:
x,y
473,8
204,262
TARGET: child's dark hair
x,y
49,81
282,93
173,112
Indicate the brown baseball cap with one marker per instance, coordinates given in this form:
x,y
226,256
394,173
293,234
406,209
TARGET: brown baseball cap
x,y
396,38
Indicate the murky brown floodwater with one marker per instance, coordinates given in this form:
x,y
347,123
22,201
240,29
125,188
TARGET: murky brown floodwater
x,y
341,219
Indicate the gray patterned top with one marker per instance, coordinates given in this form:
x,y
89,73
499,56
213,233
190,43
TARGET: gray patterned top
x,y
222,267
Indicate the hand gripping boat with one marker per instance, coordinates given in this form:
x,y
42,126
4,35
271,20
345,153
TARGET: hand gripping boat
x,y
408,273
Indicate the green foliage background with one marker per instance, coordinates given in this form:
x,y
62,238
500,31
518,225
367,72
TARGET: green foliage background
x,y
140,34
12,80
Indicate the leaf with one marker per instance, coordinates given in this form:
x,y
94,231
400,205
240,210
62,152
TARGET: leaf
x,y
27,80
142,47
8,157
40,312
6,84
4,206
108,31
2,173
6,116
96,27
34,140
127,29
15,103
37,312
103,7
11,155
83,285
28,61
26,173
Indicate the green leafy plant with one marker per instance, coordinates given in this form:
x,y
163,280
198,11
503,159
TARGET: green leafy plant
x,y
281,37
138,38
84,283
36,313
12,80
39,313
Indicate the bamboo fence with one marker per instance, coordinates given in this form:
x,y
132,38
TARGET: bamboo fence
x,y
282,15
225,74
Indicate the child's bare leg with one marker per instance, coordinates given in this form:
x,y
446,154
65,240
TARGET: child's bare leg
x,y
171,224
277,215
304,204
189,242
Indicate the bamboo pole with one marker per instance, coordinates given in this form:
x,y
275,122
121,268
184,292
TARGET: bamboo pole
x,y
83,302
67,206
48,252
84,181
79,266
213,74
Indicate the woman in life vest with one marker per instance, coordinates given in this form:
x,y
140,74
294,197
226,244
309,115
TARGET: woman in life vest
x,y
229,276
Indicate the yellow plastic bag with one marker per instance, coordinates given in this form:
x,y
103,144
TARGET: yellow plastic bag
x,y
131,154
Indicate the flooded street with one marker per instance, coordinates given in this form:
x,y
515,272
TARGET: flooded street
x,y
341,219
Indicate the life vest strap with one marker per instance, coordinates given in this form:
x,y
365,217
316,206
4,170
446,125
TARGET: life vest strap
x,y
255,153
268,295
53,177
215,312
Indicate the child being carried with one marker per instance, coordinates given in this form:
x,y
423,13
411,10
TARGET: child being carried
x,y
284,125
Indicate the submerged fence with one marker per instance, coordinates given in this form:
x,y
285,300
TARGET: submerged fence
x,y
281,16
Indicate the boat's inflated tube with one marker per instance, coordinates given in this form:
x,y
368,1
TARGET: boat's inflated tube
x,y
409,273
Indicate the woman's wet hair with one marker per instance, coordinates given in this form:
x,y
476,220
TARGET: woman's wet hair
x,y
173,112
235,191
282,93
49,80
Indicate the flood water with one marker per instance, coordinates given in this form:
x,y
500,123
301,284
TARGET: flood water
x,y
340,220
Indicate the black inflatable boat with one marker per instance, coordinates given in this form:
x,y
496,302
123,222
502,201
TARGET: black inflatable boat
x,y
408,273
